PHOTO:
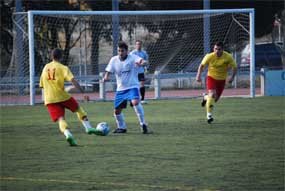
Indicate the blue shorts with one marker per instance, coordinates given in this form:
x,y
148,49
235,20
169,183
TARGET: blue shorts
x,y
122,97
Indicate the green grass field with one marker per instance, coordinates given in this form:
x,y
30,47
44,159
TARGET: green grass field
x,y
242,150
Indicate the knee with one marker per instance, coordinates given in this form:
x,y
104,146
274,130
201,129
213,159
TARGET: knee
x,y
211,94
117,111
135,102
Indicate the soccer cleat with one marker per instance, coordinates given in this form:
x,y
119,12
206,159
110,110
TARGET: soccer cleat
x,y
144,129
143,102
119,130
210,119
94,131
71,141
204,101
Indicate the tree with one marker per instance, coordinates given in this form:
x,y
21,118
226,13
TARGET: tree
x,y
263,21
47,36
6,7
265,11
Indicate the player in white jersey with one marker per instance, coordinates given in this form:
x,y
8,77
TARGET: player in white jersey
x,y
141,77
125,67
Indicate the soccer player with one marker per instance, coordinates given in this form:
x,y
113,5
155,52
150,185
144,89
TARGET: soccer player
x,y
125,67
141,77
57,99
218,62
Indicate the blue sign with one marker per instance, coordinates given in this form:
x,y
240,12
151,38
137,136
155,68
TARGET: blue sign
x,y
275,83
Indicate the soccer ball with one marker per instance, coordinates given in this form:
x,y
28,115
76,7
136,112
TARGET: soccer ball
x,y
103,127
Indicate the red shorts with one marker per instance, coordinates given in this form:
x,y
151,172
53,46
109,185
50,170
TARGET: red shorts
x,y
57,110
217,85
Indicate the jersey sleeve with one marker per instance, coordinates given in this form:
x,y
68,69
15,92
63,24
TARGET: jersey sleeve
x,y
232,62
146,56
205,60
41,82
68,76
109,67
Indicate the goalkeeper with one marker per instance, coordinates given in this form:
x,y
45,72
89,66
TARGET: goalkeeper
x,y
218,62
57,99
141,77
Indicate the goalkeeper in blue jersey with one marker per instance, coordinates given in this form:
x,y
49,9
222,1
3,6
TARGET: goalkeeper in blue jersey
x,y
141,77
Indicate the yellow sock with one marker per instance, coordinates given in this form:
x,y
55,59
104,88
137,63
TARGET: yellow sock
x,y
62,125
210,104
81,113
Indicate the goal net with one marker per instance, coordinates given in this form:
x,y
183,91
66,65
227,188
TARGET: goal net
x,y
176,42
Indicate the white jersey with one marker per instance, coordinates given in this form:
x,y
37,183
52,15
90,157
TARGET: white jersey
x,y
126,71
143,55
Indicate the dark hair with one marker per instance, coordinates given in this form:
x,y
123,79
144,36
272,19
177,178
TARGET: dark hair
x,y
220,44
139,41
123,45
56,54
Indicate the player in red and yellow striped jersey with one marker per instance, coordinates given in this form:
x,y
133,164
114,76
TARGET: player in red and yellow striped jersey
x,y
57,99
218,62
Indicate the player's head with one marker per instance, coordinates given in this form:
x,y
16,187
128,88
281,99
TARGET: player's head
x,y
122,50
138,44
56,54
219,48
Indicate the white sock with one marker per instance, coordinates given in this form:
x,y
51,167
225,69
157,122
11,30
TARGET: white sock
x,y
140,113
67,133
86,124
209,115
120,121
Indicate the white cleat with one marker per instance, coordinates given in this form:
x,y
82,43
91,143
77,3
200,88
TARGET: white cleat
x,y
210,119
143,102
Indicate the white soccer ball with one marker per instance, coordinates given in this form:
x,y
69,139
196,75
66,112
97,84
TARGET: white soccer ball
x,y
103,127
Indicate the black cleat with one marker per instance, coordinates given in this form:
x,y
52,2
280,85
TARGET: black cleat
x,y
118,130
144,129
210,119
204,101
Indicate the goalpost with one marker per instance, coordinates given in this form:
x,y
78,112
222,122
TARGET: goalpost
x,y
174,41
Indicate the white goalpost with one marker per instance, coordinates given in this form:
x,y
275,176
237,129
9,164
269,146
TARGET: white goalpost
x,y
174,41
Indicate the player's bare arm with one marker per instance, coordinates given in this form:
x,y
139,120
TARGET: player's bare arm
x,y
199,72
106,76
230,80
77,85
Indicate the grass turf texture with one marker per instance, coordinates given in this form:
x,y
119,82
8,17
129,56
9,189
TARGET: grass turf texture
x,y
242,150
